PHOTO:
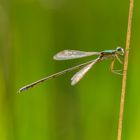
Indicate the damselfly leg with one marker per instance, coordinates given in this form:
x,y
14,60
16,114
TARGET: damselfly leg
x,y
115,71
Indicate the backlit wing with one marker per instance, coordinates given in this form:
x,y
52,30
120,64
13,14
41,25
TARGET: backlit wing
x,y
72,54
79,75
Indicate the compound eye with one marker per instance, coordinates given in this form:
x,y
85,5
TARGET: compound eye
x,y
119,49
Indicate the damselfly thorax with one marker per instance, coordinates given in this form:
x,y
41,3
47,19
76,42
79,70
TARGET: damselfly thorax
x,y
74,54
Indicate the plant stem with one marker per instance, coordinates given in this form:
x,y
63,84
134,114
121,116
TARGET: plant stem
x,y
125,69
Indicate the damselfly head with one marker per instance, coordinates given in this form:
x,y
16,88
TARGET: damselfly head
x,y
120,51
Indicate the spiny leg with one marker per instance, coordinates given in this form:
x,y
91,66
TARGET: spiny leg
x,y
112,68
119,59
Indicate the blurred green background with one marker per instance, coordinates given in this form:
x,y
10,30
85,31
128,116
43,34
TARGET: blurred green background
x,y
31,32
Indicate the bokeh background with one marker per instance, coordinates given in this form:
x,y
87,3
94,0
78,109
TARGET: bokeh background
x,y
31,32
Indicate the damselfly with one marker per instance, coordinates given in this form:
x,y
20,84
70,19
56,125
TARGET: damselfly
x,y
74,54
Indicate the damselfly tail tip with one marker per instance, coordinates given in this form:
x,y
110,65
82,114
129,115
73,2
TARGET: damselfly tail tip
x,y
21,89
18,92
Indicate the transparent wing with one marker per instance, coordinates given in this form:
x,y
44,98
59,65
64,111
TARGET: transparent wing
x,y
72,54
79,75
